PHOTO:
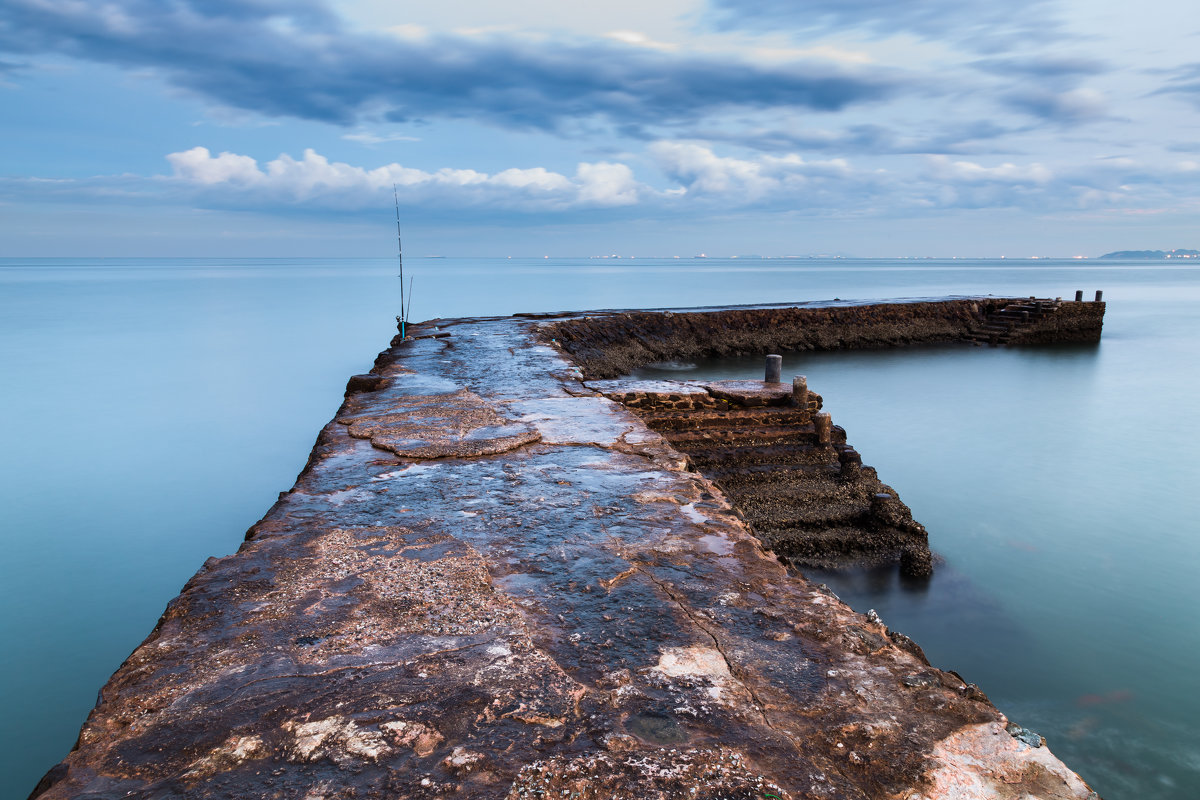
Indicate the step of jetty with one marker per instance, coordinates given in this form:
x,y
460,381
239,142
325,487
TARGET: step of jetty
x,y
786,469
1012,322
492,581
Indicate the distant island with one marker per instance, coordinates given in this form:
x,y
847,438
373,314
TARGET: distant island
x,y
1153,254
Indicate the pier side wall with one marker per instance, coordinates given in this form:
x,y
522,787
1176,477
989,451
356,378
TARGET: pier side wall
x,y
1072,323
610,344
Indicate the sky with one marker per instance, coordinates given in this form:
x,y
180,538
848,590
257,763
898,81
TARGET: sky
x,y
866,128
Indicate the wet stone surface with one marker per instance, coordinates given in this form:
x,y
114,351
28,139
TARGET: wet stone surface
x,y
492,581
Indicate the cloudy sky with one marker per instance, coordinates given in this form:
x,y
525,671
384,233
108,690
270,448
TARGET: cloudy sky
x,y
858,127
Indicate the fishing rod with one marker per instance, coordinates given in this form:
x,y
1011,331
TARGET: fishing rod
x,y
400,255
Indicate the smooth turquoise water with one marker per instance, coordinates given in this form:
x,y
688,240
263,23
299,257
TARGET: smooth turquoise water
x,y
155,408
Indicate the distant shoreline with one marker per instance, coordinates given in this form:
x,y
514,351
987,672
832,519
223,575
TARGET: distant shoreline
x,y
1144,254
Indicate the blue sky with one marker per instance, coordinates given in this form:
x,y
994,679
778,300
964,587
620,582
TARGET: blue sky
x,y
859,127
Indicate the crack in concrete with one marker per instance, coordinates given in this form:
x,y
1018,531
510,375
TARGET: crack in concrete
x,y
733,671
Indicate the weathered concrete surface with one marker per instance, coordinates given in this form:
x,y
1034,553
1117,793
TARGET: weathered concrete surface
x,y
608,344
524,595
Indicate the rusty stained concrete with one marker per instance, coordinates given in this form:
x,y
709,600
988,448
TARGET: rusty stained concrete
x,y
491,582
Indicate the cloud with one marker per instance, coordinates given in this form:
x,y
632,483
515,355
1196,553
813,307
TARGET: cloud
x,y
986,27
947,136
315,181
297,60
943,169
788,181
1117,182
688,180
199,166
1185,81
368,138
1043,67
1065,108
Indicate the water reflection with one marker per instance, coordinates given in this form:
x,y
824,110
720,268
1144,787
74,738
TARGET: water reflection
x,y
953,619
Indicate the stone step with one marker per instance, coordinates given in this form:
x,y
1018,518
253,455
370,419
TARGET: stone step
x,y
755,455
764,477
689,441
663,421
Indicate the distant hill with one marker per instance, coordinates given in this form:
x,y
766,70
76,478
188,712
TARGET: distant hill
x,y
1143,254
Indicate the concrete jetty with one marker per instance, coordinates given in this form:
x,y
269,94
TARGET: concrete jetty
x,y
496,577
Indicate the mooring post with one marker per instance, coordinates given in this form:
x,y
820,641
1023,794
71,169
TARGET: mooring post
x,y
881,504
823,426
1099,295
800,391
850,462
1079,295
774,369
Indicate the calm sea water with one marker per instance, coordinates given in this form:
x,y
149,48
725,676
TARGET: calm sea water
x,y
155,408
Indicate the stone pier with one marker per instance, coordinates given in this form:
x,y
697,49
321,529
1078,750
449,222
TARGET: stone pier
x,y
492,580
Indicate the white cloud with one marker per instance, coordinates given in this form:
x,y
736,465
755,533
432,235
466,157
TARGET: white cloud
x,y
943,169
605,184
368,138
701,172
640,40
699,182
199,166
315,179
409,32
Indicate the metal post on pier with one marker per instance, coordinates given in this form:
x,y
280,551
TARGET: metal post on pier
x,y
1079,295
1099,295
774,369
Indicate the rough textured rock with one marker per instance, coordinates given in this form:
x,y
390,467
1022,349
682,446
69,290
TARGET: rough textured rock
x,y
788,472
423,615
613,343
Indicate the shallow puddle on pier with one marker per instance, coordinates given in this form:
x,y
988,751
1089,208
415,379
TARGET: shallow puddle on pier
x,y
656,728
717,543
694,515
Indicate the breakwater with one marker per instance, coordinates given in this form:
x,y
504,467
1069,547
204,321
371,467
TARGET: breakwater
x,y
610,344
492,580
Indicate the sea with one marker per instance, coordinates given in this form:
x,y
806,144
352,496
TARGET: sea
x,y
154,408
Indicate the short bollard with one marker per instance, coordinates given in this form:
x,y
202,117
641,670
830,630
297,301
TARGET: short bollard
x,y
881,504
800,391
823,426
850,462
1024,316
774,369
1099,295
1079,295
